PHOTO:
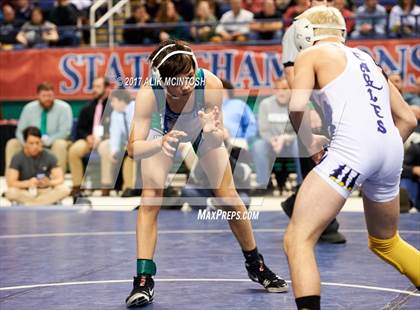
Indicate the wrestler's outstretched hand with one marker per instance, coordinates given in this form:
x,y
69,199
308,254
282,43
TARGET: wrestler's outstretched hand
x,y
210,120
170,142
318,146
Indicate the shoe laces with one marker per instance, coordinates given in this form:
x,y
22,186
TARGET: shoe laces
x,y
141,281
267,273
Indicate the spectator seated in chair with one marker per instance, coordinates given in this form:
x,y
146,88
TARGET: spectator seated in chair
x,y
371,20
139,35
54,119
9,28
66,16
37,32
238,118
204,14
227,30
263,30
410,178
277,137
403,18
34,178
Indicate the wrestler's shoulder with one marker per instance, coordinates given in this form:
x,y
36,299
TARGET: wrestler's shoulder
x,y
318,53
212,81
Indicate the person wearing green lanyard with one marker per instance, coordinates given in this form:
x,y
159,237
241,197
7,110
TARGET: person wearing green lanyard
x,y
53,117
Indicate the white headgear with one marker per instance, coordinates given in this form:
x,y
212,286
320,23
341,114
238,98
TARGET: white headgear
x,y
305,35
155,69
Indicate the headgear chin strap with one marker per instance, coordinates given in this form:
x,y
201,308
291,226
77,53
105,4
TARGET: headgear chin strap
x,y
155,69
305,33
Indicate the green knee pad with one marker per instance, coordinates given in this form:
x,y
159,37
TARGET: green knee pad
x,y
146,267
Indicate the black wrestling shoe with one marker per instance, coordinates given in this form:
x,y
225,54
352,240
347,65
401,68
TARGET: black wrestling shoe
x,y
288,205
332,235
131,192
81,199
142,293
329,235
259,272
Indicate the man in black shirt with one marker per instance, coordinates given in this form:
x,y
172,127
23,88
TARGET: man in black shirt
x,y
138,34
185,9
9,27
267,30
23,9
65,16
33,177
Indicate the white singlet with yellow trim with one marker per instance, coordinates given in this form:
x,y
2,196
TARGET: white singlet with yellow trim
x,y
365,148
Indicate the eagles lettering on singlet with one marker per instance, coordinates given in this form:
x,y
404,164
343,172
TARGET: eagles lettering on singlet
x,y
359,95
371,89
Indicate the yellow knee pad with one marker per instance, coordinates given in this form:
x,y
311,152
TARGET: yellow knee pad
x,y
395,251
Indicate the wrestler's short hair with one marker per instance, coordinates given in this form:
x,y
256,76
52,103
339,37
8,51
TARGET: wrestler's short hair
x,y
323,15
176,64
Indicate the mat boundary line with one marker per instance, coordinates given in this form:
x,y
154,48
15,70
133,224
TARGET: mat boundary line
x,y
55,284
180,231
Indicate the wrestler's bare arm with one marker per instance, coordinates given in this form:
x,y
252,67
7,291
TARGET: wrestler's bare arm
x,y
145,106
302,86
214,101
402,114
